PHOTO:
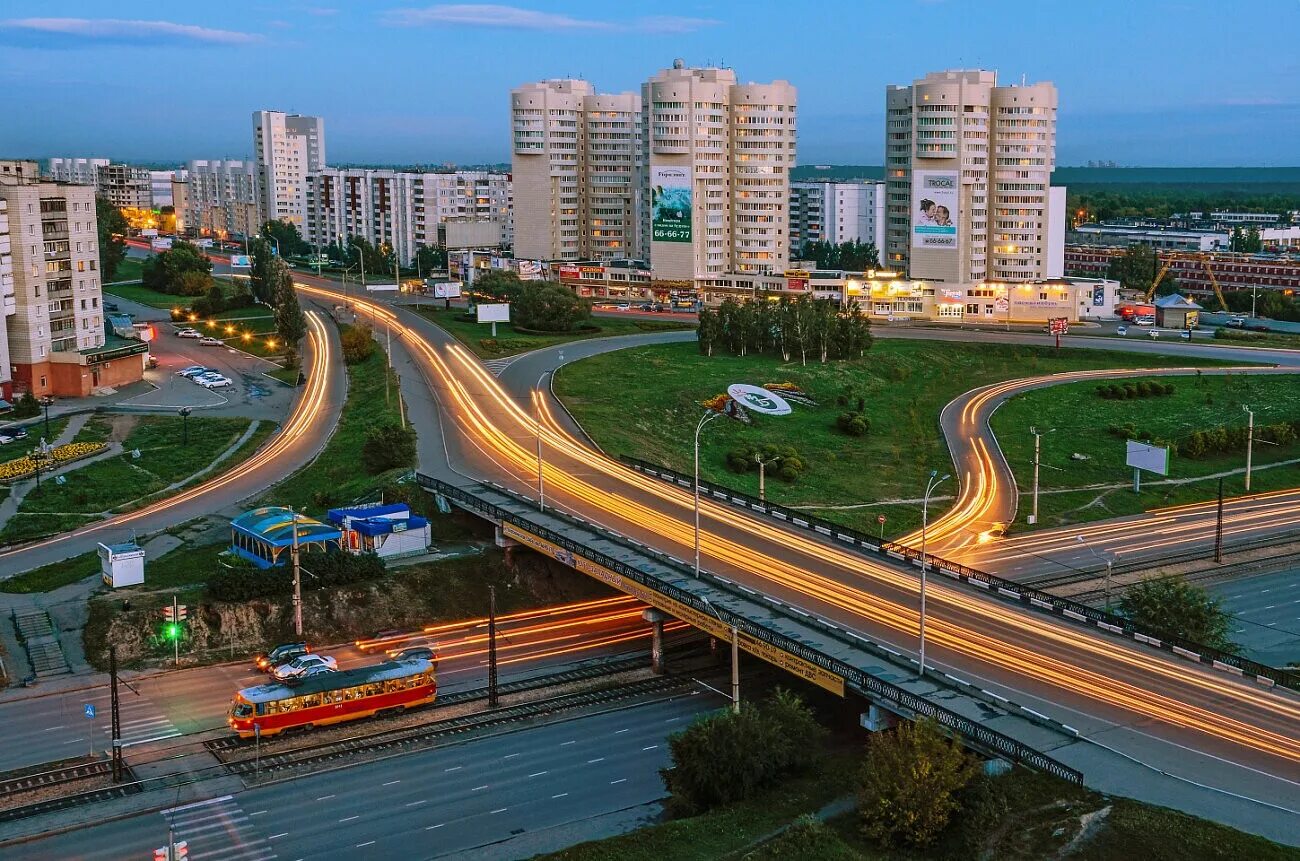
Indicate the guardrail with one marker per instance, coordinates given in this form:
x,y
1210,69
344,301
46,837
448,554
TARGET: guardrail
x,y
994,585
903,701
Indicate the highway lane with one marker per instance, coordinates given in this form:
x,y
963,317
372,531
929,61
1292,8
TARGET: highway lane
x,y
453,800
303,434
1265,614
168,705
1150,705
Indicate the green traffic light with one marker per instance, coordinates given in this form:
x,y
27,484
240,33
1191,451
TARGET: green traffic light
x,y
172,631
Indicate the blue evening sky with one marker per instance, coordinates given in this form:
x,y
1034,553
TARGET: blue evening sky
x,y
1142,82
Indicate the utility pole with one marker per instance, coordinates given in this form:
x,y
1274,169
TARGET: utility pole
x,y
116,715
1218,527
1038,441
297,579
537,424
735,670
176,635
930,485
1250,442
493,698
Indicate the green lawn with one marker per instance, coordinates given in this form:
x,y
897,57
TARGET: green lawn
x,y
904,385
285,375
54,575
145,296
478,336
1081,418
130,269
116,481
96,429
336,476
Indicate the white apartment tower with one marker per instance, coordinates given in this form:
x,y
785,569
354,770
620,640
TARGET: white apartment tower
x,y
289,147
967,170
837,212
718,156
576,170
221,198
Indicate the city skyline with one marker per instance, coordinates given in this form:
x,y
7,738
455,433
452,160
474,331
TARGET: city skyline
x,y
1121,99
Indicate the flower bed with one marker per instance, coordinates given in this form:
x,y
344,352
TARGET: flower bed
x,y
22,467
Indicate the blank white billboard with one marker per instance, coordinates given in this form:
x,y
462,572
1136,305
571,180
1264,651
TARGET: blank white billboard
x,y
447,290
496,313
1152,458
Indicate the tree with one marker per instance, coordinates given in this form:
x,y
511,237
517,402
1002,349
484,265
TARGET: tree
x,y
260,282
1138,267
377,259
387,446
211,303
286,234
194,283
1172,606
429,258
290,324
358,344
112,247
852,256
164,271
547,307
498,285
907,784
706,332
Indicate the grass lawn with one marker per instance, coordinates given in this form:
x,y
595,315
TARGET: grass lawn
x,y
336,476
116,481
478,336
130,269
904,385
96,429
1081,418
145,296
54,575
285,375
35,431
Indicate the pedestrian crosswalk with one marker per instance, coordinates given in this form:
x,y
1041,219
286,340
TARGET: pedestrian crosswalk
x,y
142,722
496,366
218,830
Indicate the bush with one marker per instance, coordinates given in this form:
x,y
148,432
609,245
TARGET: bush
x,y
1169,605
853,424
386,447
26,406
982,804
781,461
358,344
725,757
245,582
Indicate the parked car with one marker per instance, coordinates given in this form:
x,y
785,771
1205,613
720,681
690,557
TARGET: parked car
x,y
281,654
16,432
195,371
110,306
1145,320
5,438
215,381
1154,333
411,653
209,341
1121,330
298,667
623,306
188,333
1256,326
1236,323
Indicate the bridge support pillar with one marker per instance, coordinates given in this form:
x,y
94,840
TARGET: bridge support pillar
x,y
502,541
877,719
656,618
996,767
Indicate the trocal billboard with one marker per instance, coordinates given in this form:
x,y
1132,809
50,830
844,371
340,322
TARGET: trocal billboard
x,y
935,202
670,190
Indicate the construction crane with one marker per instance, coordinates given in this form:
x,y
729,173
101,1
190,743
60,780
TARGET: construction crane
x,y
1164,269
1218,291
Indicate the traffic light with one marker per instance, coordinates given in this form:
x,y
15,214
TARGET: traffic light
x,y
169,613
182,613
172,619
161,854
182,851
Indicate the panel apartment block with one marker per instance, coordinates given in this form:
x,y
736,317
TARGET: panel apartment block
x,y
289,148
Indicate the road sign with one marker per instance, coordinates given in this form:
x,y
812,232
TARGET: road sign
x,y
1059,325
89,710
880,518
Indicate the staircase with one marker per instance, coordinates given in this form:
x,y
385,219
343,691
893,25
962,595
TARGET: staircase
x,y
36,632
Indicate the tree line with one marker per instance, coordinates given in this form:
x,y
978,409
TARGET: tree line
x,y
543,306
800,326
851,256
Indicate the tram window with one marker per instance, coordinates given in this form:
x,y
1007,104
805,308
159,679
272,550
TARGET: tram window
x,y
261,708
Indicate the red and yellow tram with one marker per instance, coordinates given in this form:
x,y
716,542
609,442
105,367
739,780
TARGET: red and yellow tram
x,y
329,698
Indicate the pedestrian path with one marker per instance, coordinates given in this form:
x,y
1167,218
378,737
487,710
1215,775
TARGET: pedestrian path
x,y
218,830
142,721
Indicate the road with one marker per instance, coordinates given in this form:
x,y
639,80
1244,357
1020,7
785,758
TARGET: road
x,y
448,801
1158,709
1266,615
168,705
303,434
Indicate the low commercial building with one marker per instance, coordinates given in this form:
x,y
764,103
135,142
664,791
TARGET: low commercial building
x,y
267,535
1177,312
388,531
1233,271
615,279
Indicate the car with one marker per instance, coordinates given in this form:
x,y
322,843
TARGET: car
x,y
188,333
1154,333
110,306
1121,330
215,382
209,341
623,306
1145,320
645,306
1256,327
192,371
1236,323
298,667
281,654
410,653
5,438
16,432
382,639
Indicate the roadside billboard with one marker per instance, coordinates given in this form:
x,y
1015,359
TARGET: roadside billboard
x,y
670,203
935,205
241,261
381,288
1152,458
447,290
495,313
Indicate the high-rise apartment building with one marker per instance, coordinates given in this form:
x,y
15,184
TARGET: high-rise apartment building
x,y
125,185
221,199
79,171
718,155
577,172
289,148
403,209
836,212
967,170
56,338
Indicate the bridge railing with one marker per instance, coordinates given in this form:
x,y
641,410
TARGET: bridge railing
x,y
905,702
1003,588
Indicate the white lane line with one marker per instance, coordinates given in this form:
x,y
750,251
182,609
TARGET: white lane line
x,y
501,810
561,795
671,719
479,788
510,756
257,813
620,780
597,759
325,798
537,773
619,731
152,738
651,747
390,783
566,743
453,768
53,728
278,836
439,825
349,818
367,843
417,803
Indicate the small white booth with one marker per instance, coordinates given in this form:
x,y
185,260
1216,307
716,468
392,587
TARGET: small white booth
x,y
121,564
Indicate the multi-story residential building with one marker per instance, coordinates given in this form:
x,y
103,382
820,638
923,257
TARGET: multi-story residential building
x,y
79,171
403,209
160,186
221,199
577,172
837,212
967,170
718,155
289,148
56,338
124,185
10,172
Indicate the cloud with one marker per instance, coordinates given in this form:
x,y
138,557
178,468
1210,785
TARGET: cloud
x,y
321,11
68,32
515,18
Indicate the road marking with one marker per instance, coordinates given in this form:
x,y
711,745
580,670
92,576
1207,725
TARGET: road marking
x,y
651,747
510,755
566,743
417,803
204,803
670,720
325,798
501,810
53,728
349,818
439,825
477,788
391,782
367,843
152,738
278,836
620,780
597,759
453,768
618,731
537,774
257,813
561,795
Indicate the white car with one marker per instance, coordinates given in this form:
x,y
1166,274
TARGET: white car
x,y
209,341
300,666
215,381
192,371
5,439
1121,330
187,333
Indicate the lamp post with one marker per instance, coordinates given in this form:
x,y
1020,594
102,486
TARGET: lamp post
x,y
184,413
537,426
297,579
1250,442
762,468
704,419
47,402
930,485
1038,439
1109,559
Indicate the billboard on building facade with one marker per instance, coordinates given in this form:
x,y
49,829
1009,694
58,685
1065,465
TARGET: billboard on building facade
x,y
670,200
935,202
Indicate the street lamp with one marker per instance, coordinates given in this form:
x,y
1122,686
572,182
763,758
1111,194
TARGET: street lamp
x,y
704,419
1250,442
1038,439
48,401
930,485
1109,559
537,426
184,413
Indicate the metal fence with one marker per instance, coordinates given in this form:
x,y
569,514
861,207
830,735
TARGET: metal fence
x,y
903,701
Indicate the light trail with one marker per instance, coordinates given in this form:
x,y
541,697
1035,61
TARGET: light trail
x,y
301,422
1062,673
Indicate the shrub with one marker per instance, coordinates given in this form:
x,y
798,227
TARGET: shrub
x,y
243,581
387,446
1169,605
783,462
26,406
358,344
853,424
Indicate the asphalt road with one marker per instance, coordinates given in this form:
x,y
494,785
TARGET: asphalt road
x,y
53,727
454,801
1266,615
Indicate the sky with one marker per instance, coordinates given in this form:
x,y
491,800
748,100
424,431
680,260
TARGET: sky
x,y
1142,82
